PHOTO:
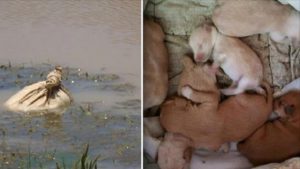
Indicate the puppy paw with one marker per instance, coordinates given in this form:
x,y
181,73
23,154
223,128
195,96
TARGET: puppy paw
x,y
211,70
277,94
260,91
277,37
225,148
226,91
186,92
231,91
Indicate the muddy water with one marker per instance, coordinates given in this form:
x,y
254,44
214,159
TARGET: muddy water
x,y
98,44
105,114
92,35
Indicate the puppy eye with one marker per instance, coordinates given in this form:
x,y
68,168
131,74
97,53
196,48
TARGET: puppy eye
x,y
289,109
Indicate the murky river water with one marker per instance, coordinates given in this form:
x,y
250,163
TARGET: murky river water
x,y
100,43
105,114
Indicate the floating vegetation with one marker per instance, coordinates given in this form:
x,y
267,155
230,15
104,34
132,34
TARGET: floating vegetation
x,y
107,77
124,87
86,111
134,103
22,76
122,148
105,113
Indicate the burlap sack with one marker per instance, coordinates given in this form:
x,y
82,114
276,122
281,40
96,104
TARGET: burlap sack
x,y
47,96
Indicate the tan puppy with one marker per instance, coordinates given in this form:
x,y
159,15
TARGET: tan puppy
x,y
243,18
277,140
237,60
198,117
174,152
155,65
153,132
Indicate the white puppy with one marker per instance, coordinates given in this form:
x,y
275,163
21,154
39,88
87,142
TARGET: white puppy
x,y
237,60
243,18
152,132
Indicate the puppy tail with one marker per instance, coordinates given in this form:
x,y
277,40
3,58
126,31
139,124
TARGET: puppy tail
x,y
269,93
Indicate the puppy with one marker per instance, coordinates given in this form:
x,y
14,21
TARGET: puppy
x,y
237,60
175,150
179,149
152,134
200,118
241,18
155,65
276,140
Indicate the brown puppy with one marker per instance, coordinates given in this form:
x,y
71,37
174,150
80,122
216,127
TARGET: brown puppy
x,y
277,140
201,118
181,115
243,18
174,151
155,65
237,60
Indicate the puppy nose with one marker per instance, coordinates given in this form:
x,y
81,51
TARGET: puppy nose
x,y
199,57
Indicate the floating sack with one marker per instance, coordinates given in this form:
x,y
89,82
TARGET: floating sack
x,y
42,97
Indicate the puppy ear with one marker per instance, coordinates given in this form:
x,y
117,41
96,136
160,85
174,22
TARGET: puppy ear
x,y
187,62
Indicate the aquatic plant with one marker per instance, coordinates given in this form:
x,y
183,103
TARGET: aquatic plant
x,y
83,163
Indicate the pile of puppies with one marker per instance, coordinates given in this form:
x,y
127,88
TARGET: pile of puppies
x,y
195,117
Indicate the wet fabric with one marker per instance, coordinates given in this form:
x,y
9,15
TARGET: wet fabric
x,y
47,96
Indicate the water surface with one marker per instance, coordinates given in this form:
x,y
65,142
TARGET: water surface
x,y
92,35
105,114
98,45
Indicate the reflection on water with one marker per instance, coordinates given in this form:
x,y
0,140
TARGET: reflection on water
x,y
105,114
